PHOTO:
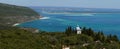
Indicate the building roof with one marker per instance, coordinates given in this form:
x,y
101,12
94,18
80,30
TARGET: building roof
x,y
78,28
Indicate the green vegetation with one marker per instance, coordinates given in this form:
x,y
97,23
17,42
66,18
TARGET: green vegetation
x,y
13,10
15,38
11,14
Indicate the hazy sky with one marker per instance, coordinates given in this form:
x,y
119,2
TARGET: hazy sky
x,y
67,3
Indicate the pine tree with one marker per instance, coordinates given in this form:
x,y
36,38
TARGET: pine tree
x,y
84,30
69,31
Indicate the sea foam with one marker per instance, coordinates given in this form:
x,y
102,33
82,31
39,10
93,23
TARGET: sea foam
x,y
45,18
16,24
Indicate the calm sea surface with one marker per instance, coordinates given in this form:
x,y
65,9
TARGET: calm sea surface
x,y
109,23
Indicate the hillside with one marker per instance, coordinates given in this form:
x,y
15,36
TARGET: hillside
x,y
10,14
15,38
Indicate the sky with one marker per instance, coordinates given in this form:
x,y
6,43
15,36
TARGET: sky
x,y
67,3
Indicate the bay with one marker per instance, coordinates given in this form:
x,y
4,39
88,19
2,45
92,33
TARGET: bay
x,y
109,23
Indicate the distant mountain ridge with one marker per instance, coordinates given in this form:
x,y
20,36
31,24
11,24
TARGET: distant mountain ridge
x,y
77,9
10,14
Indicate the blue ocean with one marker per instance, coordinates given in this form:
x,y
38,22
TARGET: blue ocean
x,y
109,23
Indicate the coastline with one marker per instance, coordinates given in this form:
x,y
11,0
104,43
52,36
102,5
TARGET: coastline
x,y
16,24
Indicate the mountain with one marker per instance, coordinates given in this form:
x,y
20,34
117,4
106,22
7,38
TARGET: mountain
x,y
11,14
77,9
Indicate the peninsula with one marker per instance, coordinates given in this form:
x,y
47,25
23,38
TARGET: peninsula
x,y
12,14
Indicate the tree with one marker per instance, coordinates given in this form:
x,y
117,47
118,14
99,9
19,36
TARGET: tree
x,y
90,32
115,38
100,36
84,30
69,31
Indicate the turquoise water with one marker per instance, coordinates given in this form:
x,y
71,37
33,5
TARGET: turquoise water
x,y
108,23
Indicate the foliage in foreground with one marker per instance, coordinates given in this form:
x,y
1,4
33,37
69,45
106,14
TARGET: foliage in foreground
x,y
14,38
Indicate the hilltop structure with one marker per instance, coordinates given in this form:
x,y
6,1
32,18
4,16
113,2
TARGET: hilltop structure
x,y
78,29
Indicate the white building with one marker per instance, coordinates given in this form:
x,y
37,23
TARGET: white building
x,y
66,48
78,30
